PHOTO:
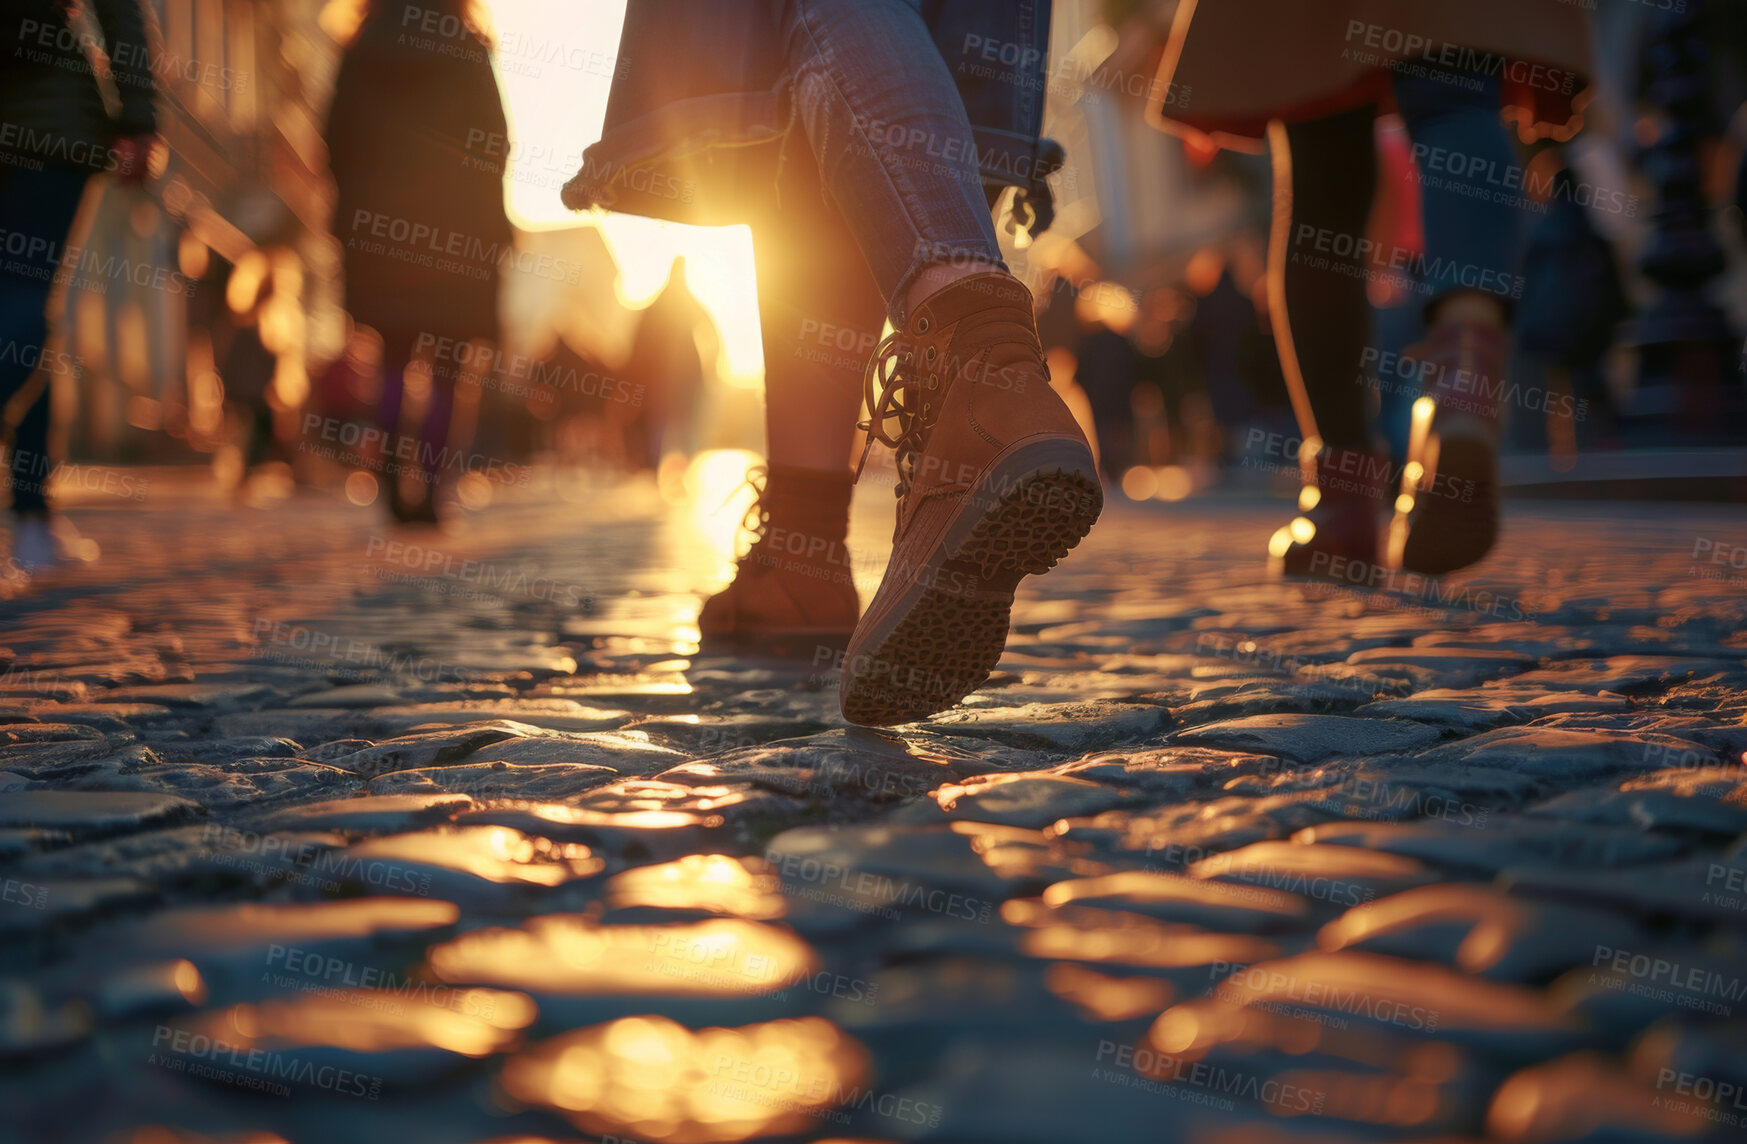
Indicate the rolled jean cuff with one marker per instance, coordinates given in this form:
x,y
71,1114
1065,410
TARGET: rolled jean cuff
x,y
924,254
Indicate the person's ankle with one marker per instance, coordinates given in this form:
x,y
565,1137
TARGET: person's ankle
x,y
809,503
932,279
792,471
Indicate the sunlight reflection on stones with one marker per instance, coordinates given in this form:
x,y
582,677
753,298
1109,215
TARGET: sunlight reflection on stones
x,y
651,1079
740,887
572,955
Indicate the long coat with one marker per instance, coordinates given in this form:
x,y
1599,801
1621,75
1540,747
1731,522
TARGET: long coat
x,y
53,106
702,103
417,145
1232,65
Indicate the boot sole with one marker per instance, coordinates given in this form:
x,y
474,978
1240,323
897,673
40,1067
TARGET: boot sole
x,y
947,631
1443,532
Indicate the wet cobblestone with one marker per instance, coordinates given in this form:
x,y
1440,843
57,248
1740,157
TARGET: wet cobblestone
x,y
292,845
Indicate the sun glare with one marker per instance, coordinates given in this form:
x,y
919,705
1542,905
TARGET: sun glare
x,y
555,65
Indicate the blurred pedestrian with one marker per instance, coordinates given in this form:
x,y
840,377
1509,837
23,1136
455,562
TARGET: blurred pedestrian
x,y
417,144
1572,307
1311,79
59,133
907,122
1106,371
1167,363
666,363
248,364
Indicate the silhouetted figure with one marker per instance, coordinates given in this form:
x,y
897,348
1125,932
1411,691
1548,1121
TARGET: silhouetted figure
x,y
1573,303
417,144
58,133
1167,358
1106,373
1223,321
665,361
247,369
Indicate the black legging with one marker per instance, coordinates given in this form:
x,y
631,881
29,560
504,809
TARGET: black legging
x,y
41,204
1325,175
399,350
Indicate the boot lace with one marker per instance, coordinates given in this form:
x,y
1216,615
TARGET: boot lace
x,y
756,522
899,399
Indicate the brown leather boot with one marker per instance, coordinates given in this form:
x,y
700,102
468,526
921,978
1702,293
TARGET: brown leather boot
x,y
1446,516
1334,536
793,594
995,482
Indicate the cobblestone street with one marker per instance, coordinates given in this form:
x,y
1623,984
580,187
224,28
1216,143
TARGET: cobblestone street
x,y
318,827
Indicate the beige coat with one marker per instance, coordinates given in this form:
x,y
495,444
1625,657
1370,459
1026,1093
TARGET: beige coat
x,y
1229,66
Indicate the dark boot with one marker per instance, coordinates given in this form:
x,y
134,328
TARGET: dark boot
x,y
401,476
1446,516
793,593
1339,509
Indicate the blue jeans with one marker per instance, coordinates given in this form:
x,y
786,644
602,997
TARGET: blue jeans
x,y
1470,181
879,108
36,212
1469,173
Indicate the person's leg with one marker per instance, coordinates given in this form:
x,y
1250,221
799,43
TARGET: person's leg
x,y
30,458
819,315
40,207
892,141
1325,172
439,421
399,456
396,353
995,478
1447,513
1473,233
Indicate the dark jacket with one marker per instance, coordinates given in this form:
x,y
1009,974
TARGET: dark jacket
x,y
417,145
702,101
51,106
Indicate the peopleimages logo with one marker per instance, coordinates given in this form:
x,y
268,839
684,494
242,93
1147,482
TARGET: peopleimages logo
x,y
262,1069
424,244
1268,985
870,892
1467,63
370,439
1660,979
498,578
452,355
1466,390
1166,1070
817,1095
1477,176
1321,247
57,36
47,260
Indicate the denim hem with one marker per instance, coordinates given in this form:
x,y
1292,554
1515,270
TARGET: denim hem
x,y
929,256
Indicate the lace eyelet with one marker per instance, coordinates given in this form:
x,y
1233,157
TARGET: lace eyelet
x,y
933,382
922,325
928,353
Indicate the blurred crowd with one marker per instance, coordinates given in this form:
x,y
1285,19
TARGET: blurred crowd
x,y
1173,364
